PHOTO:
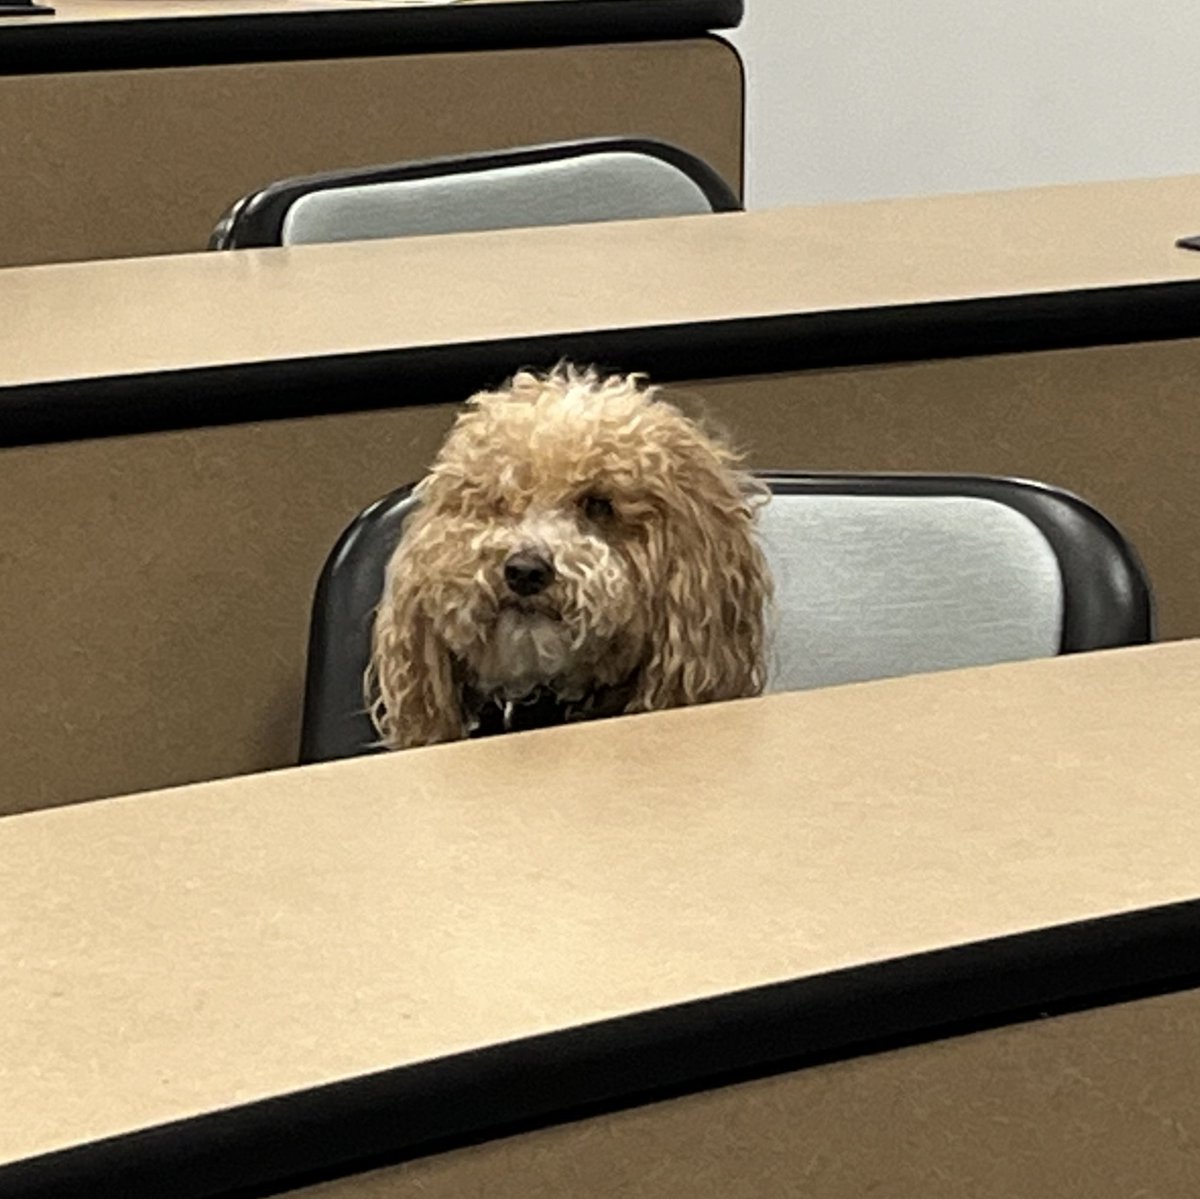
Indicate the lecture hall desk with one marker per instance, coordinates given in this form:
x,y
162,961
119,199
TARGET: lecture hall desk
x,y
129,126
186,436
923,938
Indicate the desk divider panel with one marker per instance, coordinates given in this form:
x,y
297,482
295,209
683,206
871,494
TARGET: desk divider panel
x,y
158,586
146,161
158,589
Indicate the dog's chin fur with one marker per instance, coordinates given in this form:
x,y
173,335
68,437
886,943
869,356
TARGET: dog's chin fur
x,y
659,584
528,649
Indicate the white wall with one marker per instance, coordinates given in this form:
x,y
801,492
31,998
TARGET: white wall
x,y
853,99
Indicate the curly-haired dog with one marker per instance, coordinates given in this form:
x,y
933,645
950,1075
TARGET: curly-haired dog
x,y
581,549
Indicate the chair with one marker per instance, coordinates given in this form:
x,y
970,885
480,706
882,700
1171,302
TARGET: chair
x,y
563,183
876,576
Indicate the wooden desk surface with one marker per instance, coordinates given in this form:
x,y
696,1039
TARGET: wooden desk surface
x,y
189,951
516,289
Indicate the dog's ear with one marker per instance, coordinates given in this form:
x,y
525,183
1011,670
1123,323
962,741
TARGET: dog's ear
x,y
709,587
410,687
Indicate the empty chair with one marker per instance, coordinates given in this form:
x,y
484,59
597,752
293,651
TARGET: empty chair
x,y
876,576
563,183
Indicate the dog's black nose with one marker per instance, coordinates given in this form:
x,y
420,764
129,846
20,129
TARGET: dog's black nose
x,y
527,574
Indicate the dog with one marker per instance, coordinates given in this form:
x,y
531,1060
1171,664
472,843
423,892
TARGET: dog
x,y
581,549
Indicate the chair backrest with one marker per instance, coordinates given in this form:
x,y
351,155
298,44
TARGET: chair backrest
x,y
561,183
876,576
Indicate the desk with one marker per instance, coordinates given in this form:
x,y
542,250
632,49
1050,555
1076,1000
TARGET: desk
x,y
274,976
837,284
160,560
128,126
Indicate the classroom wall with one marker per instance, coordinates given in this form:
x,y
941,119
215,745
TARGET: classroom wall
x,y
859,99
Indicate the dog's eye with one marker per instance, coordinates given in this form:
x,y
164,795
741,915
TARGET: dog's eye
x,y
596,507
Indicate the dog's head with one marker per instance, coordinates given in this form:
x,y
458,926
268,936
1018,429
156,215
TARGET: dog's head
x,y
578,535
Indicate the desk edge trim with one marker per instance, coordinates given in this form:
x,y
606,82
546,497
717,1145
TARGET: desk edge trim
x,y
741,347
79,46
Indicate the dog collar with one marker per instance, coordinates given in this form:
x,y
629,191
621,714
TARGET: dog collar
x,y
542,709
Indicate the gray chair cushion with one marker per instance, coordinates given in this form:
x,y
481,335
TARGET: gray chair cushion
x,y
878,586
592,187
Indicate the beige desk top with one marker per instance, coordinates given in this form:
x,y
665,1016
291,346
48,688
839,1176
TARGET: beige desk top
x,y
129,317
167,954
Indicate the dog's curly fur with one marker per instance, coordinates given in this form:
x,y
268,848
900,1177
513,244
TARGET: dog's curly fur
x,y
658,584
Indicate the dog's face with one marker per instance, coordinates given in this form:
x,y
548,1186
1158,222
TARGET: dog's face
x,y
574,534
528,547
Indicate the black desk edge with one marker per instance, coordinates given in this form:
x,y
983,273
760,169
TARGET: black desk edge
x,y
284,389
46,47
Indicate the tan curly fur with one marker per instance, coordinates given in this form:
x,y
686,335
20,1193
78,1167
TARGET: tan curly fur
x,y
659,584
